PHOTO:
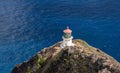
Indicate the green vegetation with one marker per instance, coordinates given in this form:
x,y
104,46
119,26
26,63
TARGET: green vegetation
x,y
84,69
40,62
29,70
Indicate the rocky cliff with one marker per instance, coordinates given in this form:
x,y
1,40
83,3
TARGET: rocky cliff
x,y
82,58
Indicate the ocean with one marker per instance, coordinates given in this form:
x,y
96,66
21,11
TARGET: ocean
x,y
28,26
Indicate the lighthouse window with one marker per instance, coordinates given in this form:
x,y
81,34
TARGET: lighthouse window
x,y
67,35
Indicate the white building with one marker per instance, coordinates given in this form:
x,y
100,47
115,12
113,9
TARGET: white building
x,y
67,38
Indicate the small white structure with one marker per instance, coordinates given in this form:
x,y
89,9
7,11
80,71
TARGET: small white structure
x,y
67,38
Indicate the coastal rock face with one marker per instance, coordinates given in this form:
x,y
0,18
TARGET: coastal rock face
x,y
82,58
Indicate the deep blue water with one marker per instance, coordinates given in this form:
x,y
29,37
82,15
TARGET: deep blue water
x,y
27,26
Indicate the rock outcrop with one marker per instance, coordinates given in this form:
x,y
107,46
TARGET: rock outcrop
x,y
82,58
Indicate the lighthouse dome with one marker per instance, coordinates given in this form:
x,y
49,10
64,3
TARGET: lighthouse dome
x,y
67,30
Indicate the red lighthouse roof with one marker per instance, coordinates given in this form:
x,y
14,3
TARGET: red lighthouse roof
x,y
67,30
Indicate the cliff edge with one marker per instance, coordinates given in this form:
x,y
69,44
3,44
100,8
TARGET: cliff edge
x,y
82,58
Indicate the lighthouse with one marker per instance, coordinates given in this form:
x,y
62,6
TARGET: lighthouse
x,y
67,38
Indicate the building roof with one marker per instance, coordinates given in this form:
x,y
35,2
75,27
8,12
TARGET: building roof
x,y
67,30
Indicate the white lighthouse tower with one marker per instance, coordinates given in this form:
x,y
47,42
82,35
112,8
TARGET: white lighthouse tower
x,y
67,38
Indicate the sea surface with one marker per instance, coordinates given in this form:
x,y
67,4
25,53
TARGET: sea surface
x,y
27,26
